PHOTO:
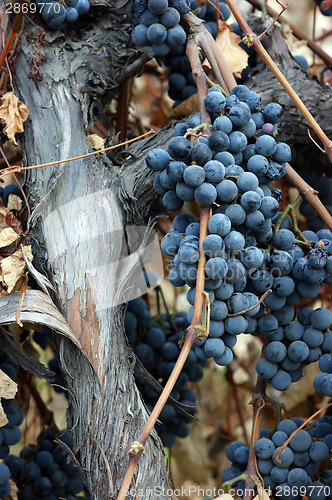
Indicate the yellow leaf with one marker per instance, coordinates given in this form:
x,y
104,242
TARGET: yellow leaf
x,y
14,113
7,237
14,203
96,142
236,58
8,389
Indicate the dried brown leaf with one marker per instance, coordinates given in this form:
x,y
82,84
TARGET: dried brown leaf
x,y
186,107
14,203
7,237
228,42
3,220
14,113
96,142
14,223
12,269
8,389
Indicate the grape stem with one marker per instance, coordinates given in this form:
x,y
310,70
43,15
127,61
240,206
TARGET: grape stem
x,y
137,447
199,77
205,40
258,402
252,307
309,194
253,40
286,443
290,208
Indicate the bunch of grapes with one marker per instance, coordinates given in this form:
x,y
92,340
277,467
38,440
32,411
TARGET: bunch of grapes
x,y
315,169
10,433
297,344
155,341
294,473
43,471
57,14
159,25
229,169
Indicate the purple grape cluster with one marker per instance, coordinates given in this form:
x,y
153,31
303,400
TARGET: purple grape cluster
x,y
297,475
295,345
58,15
158,25
43,471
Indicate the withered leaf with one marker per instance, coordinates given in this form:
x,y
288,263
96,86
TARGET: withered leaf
x,y
7,237
14,203
96,142
13,222
14,113
228,42
12,269
8,389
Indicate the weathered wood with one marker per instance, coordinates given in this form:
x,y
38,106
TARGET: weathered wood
x,y
318,100
78,217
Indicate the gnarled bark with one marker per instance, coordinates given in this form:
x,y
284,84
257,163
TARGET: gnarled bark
x,y
79,212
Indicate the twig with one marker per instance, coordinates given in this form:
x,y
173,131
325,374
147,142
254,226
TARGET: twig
x,y
286,443
300,35
137,447
284,7
15,169
252,307
258,405
199,77
253,40
211,50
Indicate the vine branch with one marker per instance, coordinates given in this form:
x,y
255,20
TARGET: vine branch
x,y
137,447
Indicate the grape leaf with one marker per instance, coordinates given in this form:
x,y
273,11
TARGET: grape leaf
x,y
14,113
